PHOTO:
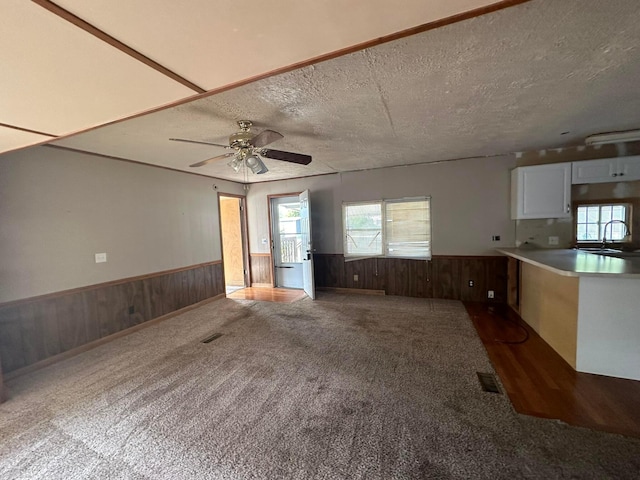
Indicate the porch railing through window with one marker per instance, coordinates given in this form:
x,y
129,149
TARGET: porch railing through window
x,y
291,248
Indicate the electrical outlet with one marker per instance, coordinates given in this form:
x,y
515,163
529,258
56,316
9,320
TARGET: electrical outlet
x,y
471,283
554,240
355,278
101,257
490,294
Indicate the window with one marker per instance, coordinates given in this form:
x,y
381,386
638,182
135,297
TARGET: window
x,y
591,221
392,228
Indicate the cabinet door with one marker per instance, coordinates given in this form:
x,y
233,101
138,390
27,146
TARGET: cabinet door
x,y
595,171
628,169
541,191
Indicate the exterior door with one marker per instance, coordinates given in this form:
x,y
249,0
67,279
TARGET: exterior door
x,y
307,246
286,234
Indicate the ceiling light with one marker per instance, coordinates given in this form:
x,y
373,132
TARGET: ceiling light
x,y
256,165
613,137
236,164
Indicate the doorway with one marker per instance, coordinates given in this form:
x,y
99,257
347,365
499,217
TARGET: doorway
x,y
291,242
286,237
233,228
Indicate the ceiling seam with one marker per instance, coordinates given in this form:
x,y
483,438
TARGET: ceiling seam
x,y
28,130
108,39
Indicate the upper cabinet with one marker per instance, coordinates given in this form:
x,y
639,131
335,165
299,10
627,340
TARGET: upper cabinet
x,y
620,169
541,191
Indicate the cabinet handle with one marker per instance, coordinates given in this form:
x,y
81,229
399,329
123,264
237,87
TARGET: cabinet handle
x,y
614,174
568,208
622,174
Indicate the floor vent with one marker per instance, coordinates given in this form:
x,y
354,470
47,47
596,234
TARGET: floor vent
x,y
488,382
211,338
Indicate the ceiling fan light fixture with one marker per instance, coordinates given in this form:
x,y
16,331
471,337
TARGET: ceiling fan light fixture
x,y
236,164
256,165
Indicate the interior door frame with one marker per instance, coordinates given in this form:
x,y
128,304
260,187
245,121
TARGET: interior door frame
x,y
271,244
244,232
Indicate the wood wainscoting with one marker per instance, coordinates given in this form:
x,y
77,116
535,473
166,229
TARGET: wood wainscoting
x,y
441,277
35,329
261,270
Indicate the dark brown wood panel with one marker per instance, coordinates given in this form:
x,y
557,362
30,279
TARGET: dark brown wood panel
x,y
442,277
261,269
36,329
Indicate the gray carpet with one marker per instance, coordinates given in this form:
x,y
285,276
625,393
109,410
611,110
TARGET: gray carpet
x,y
346,387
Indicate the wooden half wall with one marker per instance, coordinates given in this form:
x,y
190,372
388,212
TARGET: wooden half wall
x,y
35,329
441,277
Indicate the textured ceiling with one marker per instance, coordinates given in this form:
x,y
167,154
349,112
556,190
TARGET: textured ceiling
x,y
511,81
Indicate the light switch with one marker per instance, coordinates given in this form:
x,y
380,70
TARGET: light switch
x,y
553,240
101,257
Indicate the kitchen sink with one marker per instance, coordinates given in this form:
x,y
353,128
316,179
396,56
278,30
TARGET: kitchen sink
x,y
610,252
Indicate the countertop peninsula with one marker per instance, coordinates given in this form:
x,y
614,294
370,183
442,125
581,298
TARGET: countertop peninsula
x,y
577,263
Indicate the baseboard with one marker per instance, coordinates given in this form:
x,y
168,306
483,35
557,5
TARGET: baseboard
x,y
262,285
101,341
361,291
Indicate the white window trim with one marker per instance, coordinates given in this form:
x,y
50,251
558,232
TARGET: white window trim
x,y
382,203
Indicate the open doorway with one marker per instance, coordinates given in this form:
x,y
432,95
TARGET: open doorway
x,y
234,241
291,239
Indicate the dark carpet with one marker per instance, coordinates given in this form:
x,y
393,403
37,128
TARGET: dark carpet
x,y
345,387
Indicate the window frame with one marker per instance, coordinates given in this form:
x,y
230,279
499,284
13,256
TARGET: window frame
x,y
383,228
629,207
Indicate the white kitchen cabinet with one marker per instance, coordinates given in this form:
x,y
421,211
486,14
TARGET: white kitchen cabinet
x,y
604,170
541,191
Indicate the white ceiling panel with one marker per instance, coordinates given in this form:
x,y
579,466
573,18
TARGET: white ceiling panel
x,y
56,78
11,138
219,43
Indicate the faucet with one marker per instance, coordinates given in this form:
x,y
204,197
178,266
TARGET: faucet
x,y
604,230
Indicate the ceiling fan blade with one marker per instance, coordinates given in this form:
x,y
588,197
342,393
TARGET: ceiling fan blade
x,y
197,141
265,138
286,156
209,160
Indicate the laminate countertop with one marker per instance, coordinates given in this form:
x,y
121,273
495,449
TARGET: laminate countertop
x,y
577,263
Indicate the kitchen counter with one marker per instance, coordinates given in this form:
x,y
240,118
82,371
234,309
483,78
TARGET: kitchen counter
x,y
577,263
584,305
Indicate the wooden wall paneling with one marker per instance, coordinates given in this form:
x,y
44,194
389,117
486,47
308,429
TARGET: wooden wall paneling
x,y
70,313
446,278
496,278
208,281
473,269
218,282
192,287
181,284
136,299
112,309
261,268
36,329
32,338
46,321
91,322
11,351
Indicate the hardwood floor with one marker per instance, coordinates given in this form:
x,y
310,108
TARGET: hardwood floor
x,y
264,294
540,383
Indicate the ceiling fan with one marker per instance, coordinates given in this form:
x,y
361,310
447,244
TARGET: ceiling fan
x,y
249,148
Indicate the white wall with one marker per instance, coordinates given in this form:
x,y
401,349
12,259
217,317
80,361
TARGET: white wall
x,y
59,208
470,203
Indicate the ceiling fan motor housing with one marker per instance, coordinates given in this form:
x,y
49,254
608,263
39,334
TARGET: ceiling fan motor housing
x,y
241,139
